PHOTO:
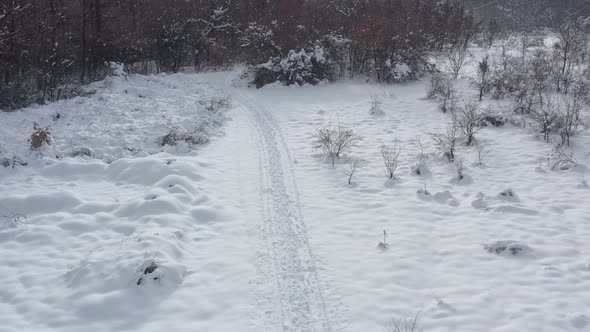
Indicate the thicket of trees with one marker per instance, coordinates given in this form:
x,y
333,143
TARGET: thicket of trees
x,y
48,48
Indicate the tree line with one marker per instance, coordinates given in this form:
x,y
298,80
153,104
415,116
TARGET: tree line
x,y
49,48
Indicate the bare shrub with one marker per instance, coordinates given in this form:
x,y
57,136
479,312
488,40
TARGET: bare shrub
x,y
482,153
441,86
438,85
40,137
545,117
468,120
404,325
353,164
390,155
568,119
335,141
420,165
446,142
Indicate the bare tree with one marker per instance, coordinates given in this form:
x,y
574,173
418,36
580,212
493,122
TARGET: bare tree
x,y
456,58
483,81
573,38
468,119
545,116
568,119
420,165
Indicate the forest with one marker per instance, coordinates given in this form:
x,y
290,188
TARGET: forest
x,y
48,49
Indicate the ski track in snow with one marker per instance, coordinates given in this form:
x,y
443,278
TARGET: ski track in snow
x,y
287,259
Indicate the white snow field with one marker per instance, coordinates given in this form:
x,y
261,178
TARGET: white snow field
x,y
256,231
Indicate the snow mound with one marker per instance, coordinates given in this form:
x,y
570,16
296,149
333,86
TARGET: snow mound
x,y
507,248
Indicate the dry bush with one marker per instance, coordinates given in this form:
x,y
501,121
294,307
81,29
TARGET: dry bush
x,y
404,325
569,119
546,116
334,141
390,156
40,137
446,142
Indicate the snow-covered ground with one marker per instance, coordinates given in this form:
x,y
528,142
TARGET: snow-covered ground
x,y
256,231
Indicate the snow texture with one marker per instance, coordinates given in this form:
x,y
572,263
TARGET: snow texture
x,y
256,231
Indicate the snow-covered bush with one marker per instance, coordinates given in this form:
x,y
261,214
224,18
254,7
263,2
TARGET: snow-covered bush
x,y
561,159
338,48
398,72
206,125
308,66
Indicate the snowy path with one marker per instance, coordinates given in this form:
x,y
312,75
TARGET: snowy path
x,y
286,258
286,293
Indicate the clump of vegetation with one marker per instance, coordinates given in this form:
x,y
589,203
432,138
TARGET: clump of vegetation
x,y
383,245
333,142
390,155
40,137
353,164
404,325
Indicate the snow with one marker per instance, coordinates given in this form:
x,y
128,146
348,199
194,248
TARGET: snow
x,y
256,231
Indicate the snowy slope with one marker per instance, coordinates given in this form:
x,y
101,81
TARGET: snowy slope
x,y
436,263
81,236
256,231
